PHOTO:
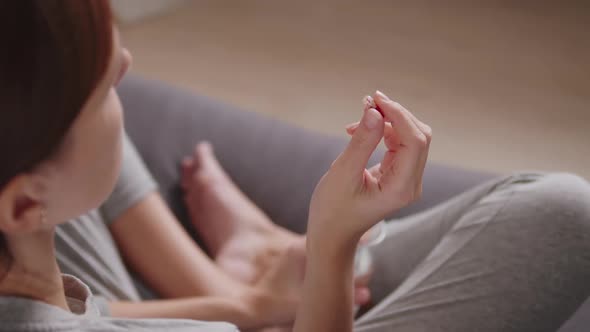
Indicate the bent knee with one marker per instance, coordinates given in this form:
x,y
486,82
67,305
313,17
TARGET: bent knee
x,y
559,199
564,192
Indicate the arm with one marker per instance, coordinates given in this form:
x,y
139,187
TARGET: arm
x,y
350,199
235,311
327,303
156,247
159,250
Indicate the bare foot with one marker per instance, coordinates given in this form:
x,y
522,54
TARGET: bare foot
x,y
241,238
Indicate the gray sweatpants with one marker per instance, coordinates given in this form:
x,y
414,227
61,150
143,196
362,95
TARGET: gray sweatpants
x,y
512,254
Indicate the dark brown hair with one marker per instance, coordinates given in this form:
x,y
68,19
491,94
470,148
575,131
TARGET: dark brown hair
x,y
53,53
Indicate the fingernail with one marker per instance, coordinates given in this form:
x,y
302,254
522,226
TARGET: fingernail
x,y
368,102
371,120
382,95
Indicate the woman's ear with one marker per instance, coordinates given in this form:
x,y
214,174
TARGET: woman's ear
x,y
21,207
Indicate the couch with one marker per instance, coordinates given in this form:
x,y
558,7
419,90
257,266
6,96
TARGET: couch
x,y
277,165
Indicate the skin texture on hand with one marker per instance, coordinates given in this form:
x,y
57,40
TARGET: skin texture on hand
x,y
349,199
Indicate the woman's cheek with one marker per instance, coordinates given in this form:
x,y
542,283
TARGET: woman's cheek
x,y
114,138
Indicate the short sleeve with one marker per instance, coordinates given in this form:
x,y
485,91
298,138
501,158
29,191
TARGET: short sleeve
x,y
135,182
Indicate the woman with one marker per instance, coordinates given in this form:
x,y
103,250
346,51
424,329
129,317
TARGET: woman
x,y
66,161
62,127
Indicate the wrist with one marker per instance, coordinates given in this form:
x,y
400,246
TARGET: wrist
x,y
329,243
328,285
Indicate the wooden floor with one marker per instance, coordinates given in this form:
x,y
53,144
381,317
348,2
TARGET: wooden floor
x,y
505,85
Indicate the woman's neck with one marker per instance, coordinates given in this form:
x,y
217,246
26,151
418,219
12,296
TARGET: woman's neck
x,y
28,268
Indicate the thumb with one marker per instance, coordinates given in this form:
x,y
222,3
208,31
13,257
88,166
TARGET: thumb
x,y
364,141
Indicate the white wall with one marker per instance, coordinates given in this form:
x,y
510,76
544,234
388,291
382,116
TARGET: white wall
x,y
134,10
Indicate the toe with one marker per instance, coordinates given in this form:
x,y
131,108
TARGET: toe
x,y
187,163
202,153
207,159
187,168
203,148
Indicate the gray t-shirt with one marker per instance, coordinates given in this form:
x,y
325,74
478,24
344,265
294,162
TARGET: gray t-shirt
x,y
19,314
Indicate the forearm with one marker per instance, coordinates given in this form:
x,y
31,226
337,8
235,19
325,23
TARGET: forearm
x,y
238,311
148,232
328,289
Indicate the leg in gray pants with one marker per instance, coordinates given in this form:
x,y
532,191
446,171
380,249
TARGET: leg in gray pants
x,y
512,254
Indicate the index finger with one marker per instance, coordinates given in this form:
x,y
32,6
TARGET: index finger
x,y
400,118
